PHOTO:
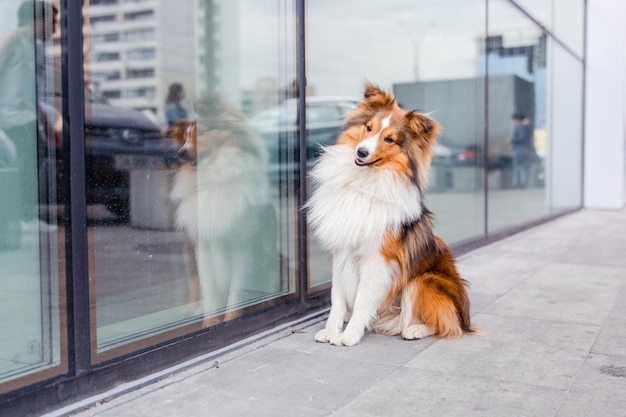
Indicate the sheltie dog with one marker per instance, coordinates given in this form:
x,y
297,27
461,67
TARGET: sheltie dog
x,y
221,193
390,273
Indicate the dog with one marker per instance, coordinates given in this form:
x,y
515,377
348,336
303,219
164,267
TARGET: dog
x,y
390,273
221,193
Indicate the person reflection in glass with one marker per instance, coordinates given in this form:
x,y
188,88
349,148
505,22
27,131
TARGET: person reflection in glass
x,y
223,204
174,111
523,150
22,80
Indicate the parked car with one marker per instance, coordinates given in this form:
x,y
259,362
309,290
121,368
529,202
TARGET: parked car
x,y
278,127
471,155
118,140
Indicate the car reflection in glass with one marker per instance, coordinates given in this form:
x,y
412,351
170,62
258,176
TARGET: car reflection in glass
x,y
325,121
118,140
278,127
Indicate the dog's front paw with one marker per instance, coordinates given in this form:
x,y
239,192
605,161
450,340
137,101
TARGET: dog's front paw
x,y
347,338
417,331
325,335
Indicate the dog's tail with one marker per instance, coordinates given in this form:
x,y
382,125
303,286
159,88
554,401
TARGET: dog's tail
x,y
441,302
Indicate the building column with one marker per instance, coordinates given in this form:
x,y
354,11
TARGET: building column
x,y
604,153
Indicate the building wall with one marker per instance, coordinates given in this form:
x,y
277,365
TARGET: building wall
x,y
604,104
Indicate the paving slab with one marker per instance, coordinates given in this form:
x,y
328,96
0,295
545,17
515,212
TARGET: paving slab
x,y
612,338
291,377
564,292
599,389
533,352
415,392
182,401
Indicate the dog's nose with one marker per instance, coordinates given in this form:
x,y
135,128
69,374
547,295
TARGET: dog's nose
x,y
185,155
362,153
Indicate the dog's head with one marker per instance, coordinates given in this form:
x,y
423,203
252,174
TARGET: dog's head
x,y
218,126
184,135
385,136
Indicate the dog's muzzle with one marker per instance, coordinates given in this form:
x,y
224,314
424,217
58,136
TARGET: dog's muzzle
x,y
186,156
361,157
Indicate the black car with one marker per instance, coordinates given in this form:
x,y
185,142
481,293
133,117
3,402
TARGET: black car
x,y
118,140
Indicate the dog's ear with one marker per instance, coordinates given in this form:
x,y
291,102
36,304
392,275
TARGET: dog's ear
x,y
377,98
177,131
423,126
371,90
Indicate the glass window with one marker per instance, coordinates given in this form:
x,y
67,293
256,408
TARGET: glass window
x,y
107,56
32,328
143,15
517,64
94,20
140,73
569,24
140,92
541,10
104,2
139,34
564,173
105,37
108,94
106,75
141,53
428,57
190,189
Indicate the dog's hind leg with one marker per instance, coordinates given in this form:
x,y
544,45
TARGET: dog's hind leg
x,y
441,303
399,319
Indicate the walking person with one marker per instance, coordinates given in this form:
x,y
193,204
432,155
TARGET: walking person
x,y
523,150
174,111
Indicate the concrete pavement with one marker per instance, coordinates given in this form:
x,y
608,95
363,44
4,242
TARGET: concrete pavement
x,y
551,303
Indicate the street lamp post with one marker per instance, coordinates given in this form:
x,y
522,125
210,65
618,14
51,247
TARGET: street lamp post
x,y
416,42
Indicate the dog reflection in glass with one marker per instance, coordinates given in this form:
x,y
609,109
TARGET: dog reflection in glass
x,y
222,198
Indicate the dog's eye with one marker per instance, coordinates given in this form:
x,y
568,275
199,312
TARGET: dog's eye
x,y
388,139
368,128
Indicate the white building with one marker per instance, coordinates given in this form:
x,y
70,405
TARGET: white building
x,y
137,48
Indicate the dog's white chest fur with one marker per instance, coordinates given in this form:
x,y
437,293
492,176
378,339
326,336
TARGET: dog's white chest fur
x,y
214,197
353,207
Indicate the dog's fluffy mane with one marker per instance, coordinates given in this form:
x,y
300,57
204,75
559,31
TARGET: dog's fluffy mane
x,y
384,200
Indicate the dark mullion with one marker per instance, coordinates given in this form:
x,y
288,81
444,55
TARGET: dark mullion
x,y
485,158
303,269
584,105
75,216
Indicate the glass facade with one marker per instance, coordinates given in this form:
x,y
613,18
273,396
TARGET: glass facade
x,y
33,296
153,159
191,199
518,64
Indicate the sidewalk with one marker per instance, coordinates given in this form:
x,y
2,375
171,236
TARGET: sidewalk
x,y
551,303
